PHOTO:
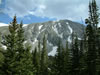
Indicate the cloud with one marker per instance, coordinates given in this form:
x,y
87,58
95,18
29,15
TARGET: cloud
x,y
0,1
59,9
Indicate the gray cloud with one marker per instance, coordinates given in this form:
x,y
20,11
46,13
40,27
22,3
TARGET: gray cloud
x,y
60,9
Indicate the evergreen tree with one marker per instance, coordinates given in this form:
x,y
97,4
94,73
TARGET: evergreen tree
x,y
63,61
23,56
91,33
67,60
58,61
44,59
39,54
17,58
36,61
91,53
75,56
10,42
39,48
82,58
25,65
98,53
1,56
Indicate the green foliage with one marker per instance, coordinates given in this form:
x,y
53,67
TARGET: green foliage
x,y
91,38
36,61
61,64
18,60
44,59
75,56
1,54
58,60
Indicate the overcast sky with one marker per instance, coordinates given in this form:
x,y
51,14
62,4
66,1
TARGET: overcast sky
x,y
43,10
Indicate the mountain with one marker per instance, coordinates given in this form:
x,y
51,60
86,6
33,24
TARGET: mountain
x,y
54,31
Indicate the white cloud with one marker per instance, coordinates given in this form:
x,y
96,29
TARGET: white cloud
x,y
60,9
0,1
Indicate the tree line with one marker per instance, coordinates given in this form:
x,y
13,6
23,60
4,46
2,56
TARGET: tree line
x,y
81,58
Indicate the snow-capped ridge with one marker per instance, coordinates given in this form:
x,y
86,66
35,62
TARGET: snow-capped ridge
x,y
3,24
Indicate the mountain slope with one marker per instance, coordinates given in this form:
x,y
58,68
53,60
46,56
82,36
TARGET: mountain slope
x,y
54,31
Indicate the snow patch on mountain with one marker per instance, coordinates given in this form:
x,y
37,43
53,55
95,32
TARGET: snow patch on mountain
x,y
53,52
42,30
40,27
69,39
59,24
34,41
71,31
24,25
55,29
67,23
79,39
60,35
49,43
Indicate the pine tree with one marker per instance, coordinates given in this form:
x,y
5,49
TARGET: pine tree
x,y
1,56
67,60
82,57
44,59
91,33
39,48
17,58
36,61
98,53
24,65
91,53
39,54
75,56
10,42
58,60
23,56
63,61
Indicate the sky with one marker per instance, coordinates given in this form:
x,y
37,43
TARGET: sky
x,y
32,11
